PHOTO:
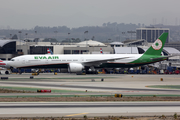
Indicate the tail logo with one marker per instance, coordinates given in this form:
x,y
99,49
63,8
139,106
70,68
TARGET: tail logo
x,y
157,44
48,51
101,50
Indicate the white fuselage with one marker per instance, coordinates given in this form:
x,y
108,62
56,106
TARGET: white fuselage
x,y
40,60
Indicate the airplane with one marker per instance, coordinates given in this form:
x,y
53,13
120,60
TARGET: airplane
x,y
5,66
4,63
77,63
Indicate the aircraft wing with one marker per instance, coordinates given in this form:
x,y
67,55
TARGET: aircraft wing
x,y
100,61
160,58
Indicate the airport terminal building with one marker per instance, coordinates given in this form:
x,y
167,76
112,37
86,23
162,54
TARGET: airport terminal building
x,y
7,49
150,34
145,37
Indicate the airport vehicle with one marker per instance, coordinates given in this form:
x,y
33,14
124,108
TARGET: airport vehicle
x,y
77,63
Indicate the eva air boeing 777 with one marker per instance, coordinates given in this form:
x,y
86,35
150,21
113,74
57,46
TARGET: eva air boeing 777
x,y
76,63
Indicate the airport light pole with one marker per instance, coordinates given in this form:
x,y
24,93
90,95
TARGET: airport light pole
x,y
131,33
20,38
86,40
26,37
123,33
36,36
35,33
109,40
10,35
68,36
20,35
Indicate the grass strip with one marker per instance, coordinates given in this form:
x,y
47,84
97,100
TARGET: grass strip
x,y
35,89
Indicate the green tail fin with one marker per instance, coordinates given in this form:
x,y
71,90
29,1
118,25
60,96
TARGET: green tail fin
x,y
157,46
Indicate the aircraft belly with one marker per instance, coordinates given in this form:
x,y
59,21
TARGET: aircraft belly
x,y
61,65
119,65
124,60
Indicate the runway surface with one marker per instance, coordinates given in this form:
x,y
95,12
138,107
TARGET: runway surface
x,y
101,90
113,83
78,109
84,87
122,84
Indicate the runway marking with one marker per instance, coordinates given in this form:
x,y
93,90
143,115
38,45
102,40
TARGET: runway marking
x,y
76,114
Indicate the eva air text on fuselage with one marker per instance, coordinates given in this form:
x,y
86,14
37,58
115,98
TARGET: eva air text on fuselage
x,y
46,57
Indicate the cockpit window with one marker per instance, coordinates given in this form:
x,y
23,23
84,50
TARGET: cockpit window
x,y
12,60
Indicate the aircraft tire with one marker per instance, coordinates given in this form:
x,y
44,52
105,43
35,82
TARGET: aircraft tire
x,y
7,72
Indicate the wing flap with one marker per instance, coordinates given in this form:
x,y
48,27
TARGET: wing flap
x,y
100,61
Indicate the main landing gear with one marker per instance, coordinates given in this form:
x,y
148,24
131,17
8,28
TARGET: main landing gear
x,y
91,70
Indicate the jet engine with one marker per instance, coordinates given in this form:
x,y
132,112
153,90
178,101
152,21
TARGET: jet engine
x,y
75,67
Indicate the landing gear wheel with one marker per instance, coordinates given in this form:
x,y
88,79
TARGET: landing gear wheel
x,y
7,72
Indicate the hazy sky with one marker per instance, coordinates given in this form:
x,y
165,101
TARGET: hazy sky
x,y
76,13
